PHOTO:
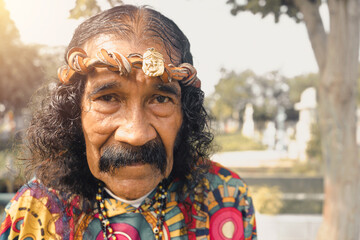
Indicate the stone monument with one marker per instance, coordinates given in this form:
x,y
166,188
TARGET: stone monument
x,y
307,117
248,129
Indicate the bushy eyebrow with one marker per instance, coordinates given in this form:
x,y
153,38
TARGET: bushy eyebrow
x,y
104,87
162,87
167,88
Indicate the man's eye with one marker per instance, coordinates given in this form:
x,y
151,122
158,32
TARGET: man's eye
x,y
162,99
107,98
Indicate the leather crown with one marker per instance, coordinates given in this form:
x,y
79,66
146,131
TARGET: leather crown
x,y
152,64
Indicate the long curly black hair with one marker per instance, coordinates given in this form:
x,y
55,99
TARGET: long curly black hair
x,y
54,139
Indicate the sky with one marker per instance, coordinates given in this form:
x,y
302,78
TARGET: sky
x,y
218,39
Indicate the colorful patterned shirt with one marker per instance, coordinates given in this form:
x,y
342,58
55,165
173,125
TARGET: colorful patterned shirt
x,y
222,209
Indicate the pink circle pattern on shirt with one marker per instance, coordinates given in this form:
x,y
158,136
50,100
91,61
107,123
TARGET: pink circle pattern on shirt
x,y
223,216
122,231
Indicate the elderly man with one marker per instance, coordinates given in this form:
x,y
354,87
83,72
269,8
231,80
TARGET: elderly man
x,y
119,148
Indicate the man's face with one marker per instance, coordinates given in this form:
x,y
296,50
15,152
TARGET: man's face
x,y
130,123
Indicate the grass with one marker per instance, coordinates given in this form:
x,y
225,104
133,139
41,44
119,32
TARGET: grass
x,y
268,200
236,142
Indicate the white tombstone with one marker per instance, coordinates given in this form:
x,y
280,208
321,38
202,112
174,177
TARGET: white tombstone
x,y
307,116
248,126
280,131
269,135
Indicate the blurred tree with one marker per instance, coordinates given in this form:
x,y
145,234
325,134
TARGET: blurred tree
x,y
51,57
337,54
299,83
88,8
231,94
222,110
234,90
20,72
273,92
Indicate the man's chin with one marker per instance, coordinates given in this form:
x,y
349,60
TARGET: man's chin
x,y
132,182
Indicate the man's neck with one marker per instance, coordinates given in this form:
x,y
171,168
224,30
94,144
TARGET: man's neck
x,y
135,203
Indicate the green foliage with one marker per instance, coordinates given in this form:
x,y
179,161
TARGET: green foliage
x,y
236,142
88,8
267,200
20,72
299,83
51,58
266,111
266,92
222,110
231,94
235,90
20,76
266,7
84,8
233,87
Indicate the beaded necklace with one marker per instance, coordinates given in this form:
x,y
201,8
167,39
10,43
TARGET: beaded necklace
x,y
159,197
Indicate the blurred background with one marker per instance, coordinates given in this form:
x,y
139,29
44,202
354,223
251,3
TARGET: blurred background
x,y
259,74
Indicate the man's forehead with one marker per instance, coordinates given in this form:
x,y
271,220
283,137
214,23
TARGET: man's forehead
x,y
126,46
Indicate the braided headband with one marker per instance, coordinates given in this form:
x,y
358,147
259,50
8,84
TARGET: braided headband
x,y
152,63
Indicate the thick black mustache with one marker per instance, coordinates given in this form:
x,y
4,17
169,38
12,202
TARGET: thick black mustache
x,y
121,155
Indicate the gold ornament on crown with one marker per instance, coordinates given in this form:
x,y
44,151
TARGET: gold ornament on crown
x,y
153,63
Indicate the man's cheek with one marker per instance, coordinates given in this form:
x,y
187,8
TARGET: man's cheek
x,y
92,152
94,135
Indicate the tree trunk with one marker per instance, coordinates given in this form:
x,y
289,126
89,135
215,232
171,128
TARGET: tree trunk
x,y
337,115
338,70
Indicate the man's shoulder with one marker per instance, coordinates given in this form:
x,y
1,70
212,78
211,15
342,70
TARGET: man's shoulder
x,y
225,189
33,202
221,176
227,201
35,206
35,195
222,188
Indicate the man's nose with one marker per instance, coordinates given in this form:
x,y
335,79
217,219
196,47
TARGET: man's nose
x,y
135,128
